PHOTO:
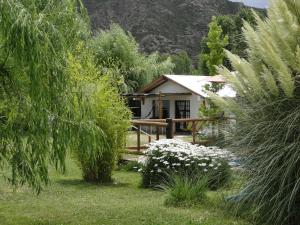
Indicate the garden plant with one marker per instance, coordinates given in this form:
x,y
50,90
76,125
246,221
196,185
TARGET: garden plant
x,y
268,114
173,156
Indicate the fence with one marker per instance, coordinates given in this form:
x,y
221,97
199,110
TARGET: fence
x,y
168,124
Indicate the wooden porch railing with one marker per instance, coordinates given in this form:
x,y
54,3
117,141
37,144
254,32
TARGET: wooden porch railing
x,y
170,129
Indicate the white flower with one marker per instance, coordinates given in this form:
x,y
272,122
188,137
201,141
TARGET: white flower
x,y
140,170
205,170
159,171
185,152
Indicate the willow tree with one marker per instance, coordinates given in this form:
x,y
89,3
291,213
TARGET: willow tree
x,y
42,114
118,51
268,113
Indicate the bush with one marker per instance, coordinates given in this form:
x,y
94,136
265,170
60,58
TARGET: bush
x,y
176,156
109,115
113,119
185,190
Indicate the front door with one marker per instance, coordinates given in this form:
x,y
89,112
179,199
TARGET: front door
x,y
182,111
156,110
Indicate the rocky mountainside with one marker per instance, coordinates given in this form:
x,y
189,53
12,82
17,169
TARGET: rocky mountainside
x,y
161,25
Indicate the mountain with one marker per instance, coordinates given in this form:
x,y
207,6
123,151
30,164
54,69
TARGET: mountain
x,y
166,26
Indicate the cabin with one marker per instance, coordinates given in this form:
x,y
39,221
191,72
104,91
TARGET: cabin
x,y
174,96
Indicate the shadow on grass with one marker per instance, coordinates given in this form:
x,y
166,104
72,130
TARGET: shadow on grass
x,y
79,183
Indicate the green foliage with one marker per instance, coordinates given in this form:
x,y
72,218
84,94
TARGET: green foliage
x,y
185,190
232,27
209,108
182,62
116,49
216,42
110,114
38,121
49,98
267,112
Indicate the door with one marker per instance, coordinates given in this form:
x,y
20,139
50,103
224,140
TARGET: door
x,y
182,111
165,109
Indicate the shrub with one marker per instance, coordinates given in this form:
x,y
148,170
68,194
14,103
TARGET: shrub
x,y
176,156
113,119
108,113
185,190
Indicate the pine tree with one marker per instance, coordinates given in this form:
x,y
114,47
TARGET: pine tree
x,y
267,134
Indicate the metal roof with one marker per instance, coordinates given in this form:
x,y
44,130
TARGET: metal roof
x,y
193,83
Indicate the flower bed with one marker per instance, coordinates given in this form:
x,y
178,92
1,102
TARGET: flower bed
x,y
166,157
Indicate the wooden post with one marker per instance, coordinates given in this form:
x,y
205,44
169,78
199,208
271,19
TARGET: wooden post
x,y
138,138
194,132
169,129
160,106
157,133
149,139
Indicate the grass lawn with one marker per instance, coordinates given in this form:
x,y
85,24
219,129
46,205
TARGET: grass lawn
x,y
68,200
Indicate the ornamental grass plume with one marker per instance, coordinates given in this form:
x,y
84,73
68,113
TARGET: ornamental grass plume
x,y
268,113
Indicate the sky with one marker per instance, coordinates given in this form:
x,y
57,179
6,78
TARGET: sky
x,y
254,3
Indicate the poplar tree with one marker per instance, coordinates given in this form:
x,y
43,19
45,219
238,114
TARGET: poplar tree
x,y
216,42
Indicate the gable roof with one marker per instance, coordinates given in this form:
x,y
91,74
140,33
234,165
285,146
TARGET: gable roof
x,y
195,84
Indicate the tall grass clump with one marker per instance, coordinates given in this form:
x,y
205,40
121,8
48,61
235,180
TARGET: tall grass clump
x,y
268,113
185,190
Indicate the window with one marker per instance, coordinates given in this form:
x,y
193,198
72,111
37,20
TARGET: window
x,y
135,107
182,111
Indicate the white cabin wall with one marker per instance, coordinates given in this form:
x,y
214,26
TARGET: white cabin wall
x,y
196,102
146,107
170,87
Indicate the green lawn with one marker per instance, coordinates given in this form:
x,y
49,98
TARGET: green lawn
x,y
68,200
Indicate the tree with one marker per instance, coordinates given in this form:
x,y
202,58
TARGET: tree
x,y
116,49
44,111
216,42
232,27
267,133
182,62
36,113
